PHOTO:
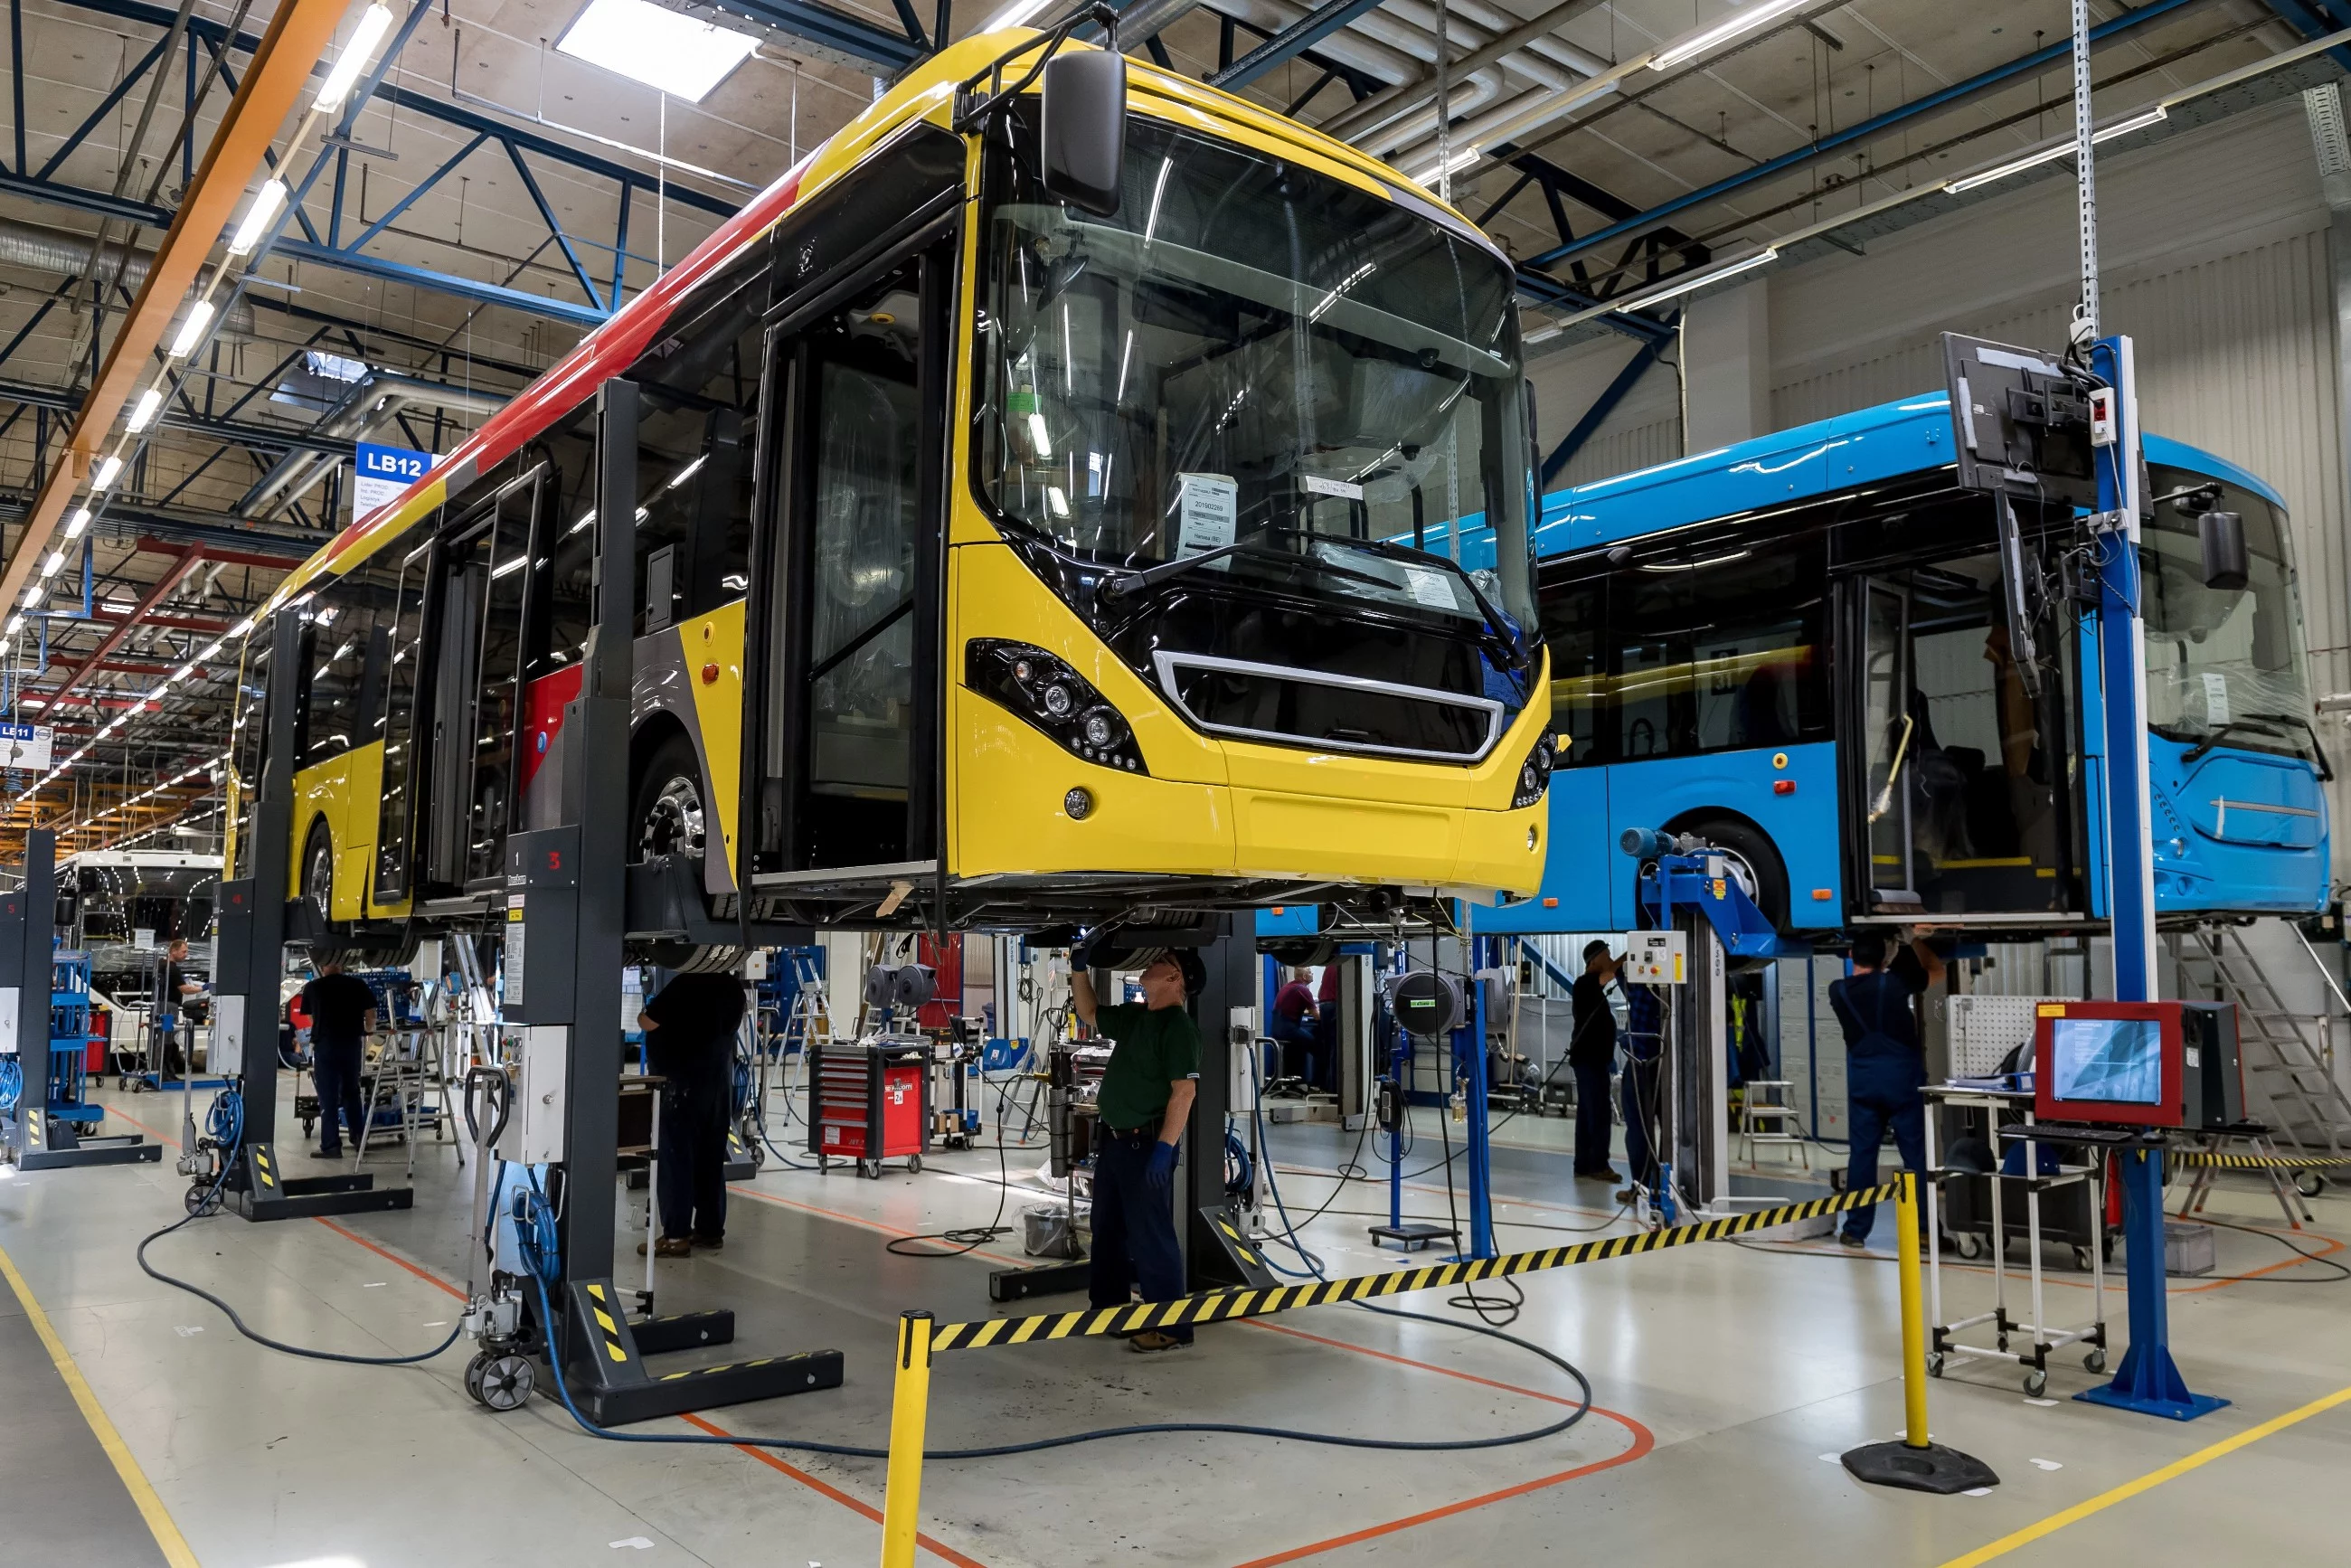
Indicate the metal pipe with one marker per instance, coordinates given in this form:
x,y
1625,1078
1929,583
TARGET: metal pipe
x,y
39,249
372,403
1383,107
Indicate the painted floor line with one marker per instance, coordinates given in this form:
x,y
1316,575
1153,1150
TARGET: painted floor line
x,y
2148,1482
160,1524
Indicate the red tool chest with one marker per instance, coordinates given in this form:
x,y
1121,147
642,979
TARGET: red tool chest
x,y
870,1102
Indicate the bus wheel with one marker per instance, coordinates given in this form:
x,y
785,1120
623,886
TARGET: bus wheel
x,y
668,813
1754,863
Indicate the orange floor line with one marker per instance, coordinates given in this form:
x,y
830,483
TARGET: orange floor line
x,y
435,1281
768,1458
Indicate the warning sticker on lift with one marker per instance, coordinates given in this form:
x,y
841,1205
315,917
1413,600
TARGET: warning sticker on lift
x,y
514,928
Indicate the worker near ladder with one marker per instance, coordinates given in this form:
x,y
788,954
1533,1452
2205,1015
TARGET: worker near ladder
x,y
1145,1098
1886,1062
1592,1056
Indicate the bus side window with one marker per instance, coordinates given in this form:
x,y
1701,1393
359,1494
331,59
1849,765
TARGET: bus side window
x,y
1727,651
701,393
1574,625
337,661
246,749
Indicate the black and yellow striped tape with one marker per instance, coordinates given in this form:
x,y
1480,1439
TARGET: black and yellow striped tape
x,y
2264,1162
1224,1306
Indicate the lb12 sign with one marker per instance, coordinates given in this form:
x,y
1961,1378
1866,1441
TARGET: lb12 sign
x,y
25,745
383,472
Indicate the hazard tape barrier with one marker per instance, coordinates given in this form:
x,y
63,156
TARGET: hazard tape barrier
x,y
918,1337
2264,1162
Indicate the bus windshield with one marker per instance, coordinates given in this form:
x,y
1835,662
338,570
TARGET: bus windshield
x,y
2226,665
1254,354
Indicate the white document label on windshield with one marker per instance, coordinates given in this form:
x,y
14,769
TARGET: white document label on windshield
x,y
2216,698
1430,587
1208,507
1318,485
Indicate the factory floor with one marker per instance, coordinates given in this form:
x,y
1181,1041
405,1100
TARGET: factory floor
x,y
1725,1380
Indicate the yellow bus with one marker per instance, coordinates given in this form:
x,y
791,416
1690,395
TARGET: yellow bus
x,y
1049,562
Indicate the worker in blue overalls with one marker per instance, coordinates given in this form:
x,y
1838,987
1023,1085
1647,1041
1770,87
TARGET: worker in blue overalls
x,y
1886,1062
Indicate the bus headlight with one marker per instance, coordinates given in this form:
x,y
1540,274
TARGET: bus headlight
x,y
1053,697
1534,774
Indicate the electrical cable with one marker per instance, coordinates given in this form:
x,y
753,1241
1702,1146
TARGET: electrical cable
x,y
12,1084
539,1261
969,1238
208,1204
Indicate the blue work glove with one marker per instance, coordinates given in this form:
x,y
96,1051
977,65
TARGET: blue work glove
x,y
1163,1166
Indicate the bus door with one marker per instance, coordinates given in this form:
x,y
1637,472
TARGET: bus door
x,y
1888,729
849,753
477,666
1963,801
404,715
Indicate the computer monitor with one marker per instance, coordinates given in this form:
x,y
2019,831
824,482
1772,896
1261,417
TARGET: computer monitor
x,y
2108,1061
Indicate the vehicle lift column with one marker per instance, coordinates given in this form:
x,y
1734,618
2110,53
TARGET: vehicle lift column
x,y
250,961
565,924
27,943
1694,895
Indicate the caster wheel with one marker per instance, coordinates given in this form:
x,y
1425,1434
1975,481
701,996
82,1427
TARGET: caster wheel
x,y
1935,1365
499,1380
2037,1383
2310,1184
2096,1362
870,1169
2082,1260
914,1164
202,1198
1968,1247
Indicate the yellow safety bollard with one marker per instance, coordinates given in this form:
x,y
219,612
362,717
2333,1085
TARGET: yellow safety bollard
x,y
910,1400
1913,1315
1917,1462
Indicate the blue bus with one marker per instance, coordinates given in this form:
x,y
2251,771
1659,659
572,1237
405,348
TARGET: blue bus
x,y
1801,647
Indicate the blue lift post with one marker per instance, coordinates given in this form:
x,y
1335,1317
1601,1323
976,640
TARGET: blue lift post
x,y
2147,1380
1471,1073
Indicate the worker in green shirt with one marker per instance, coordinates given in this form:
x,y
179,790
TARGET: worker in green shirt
x,y
1146,1096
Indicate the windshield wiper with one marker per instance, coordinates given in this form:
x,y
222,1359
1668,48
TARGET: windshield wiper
x,y
2326,767
1152,576
2213,739
1507,631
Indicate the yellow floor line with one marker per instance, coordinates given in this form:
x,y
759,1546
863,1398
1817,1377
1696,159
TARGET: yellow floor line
x,y
134,1479
2131,1488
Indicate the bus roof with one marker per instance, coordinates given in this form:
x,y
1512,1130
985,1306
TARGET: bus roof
x,y
1909,435
925,92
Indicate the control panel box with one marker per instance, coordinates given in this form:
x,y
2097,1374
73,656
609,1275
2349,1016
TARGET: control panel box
x,y
1656,959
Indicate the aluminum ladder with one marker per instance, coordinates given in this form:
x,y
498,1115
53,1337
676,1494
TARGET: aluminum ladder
x,y
2287,1056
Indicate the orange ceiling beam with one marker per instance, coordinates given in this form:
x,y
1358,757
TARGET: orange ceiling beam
x,y
274,83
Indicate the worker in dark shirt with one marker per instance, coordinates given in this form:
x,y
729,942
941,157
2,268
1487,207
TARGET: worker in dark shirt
x,y
1591,1057
690,1030
1294,1027
1886,1064
1145,1098
341,1010
179,1001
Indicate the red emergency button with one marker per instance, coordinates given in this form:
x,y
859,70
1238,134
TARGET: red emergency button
x,y
1783,785
709,674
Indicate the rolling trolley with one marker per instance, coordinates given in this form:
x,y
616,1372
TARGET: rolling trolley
x,y
870,1101
2041,1338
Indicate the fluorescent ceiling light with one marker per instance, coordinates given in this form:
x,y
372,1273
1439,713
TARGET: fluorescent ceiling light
x,y
52,566
1681,285
108,473
2013,166
266,203
354,59
1012,15
682,56
142,414
78,524
2129,123
1730,27
191,330
242,627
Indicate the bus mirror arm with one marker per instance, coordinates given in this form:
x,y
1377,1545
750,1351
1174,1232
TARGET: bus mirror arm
x,y
2021,645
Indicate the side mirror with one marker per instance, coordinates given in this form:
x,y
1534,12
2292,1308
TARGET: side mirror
x,y
1084,128
2221,536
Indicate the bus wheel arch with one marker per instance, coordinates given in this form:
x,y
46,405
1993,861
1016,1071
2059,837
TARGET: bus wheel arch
x,y
669,797
1754,858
